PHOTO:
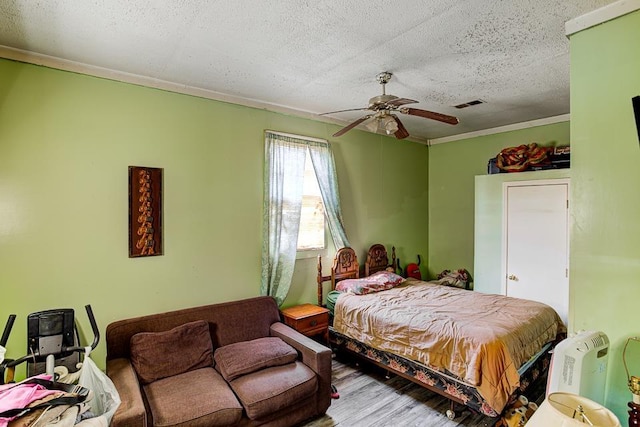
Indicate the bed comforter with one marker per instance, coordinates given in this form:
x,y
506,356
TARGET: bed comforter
x,y
480,338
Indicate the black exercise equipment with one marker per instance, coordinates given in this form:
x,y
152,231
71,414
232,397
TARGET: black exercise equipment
x,y
52,339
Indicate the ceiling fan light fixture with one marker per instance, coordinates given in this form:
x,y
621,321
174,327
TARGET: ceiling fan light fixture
x,y
372,125
390,125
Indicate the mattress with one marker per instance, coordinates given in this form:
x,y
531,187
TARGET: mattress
x,y
481,339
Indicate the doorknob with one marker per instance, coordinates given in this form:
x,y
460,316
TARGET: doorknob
x,y
512,277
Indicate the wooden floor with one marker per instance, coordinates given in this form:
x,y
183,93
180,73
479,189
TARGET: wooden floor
x,y
368,398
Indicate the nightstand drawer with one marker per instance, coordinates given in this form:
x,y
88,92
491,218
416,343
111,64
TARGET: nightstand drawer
x,y
317,322
308,319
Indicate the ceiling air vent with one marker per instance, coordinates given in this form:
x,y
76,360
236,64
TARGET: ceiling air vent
x,y
469,104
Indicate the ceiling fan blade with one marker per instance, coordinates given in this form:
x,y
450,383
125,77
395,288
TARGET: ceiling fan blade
x,y
402,132
430,115
351,126
343,111
401,101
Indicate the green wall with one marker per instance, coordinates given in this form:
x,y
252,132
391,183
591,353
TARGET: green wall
x,y
453,167
66,141
605,192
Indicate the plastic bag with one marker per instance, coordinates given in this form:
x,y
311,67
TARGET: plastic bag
x,y
105,399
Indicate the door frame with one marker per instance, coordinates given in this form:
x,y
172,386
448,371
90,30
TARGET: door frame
x,y
503,257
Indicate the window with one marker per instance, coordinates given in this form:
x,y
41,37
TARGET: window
x,y
294,168
311,236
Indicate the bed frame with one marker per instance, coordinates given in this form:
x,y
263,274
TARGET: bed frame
x,y
456,391
345,266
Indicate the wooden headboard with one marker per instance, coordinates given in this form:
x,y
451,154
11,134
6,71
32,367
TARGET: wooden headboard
x,y
378,260
345,266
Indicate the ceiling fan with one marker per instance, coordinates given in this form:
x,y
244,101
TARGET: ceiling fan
x,y
383,108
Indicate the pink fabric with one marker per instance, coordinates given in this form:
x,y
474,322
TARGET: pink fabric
x,y
380,281
19,395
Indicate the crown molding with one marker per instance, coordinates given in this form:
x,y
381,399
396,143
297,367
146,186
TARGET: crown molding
x,y
501,129
601,15
139,80
20,55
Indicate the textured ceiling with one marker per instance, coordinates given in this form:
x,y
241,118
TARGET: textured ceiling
x,y
324,55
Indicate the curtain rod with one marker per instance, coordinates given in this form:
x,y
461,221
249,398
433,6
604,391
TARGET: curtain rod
x,y
290,135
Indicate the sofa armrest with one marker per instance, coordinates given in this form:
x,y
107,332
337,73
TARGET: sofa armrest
x,y
131,412
315,355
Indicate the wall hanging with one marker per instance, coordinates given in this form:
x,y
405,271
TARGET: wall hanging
x,y
145,211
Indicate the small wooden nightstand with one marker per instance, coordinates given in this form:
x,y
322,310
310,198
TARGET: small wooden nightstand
x,y
308,319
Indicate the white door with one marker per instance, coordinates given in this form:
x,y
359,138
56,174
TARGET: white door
x,y
537,242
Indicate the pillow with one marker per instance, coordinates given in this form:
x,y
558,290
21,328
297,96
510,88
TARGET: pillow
x,y
380,281
157,355
245,357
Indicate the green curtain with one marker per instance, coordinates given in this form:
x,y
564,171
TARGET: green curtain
x,y
283,185
284,176
325,169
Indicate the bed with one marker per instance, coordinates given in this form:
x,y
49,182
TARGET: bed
x,y
476,349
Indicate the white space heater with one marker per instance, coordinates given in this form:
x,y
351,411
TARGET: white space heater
x,y
579,365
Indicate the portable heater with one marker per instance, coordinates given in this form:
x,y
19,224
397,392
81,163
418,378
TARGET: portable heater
x,y
579,365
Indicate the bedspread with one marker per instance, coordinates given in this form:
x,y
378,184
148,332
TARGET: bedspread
x,y
480,338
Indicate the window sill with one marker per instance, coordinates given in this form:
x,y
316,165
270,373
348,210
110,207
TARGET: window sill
x,y
313,253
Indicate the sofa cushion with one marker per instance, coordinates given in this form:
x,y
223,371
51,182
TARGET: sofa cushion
x,y
272,389
244,357
157,355
196,398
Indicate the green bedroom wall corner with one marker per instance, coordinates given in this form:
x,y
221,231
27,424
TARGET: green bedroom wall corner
x,y
453,167
605,261
386,187
66,141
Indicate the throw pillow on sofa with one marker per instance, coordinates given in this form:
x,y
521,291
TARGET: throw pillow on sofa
x,y
157,355
241,358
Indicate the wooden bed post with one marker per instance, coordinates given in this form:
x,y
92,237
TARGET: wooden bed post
x,y
319,280
394,260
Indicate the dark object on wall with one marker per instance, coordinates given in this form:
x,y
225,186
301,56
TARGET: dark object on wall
x,y
636,110
145,211
492,168
560,157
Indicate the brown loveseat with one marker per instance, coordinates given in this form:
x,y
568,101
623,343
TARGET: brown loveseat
x,y
224,364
